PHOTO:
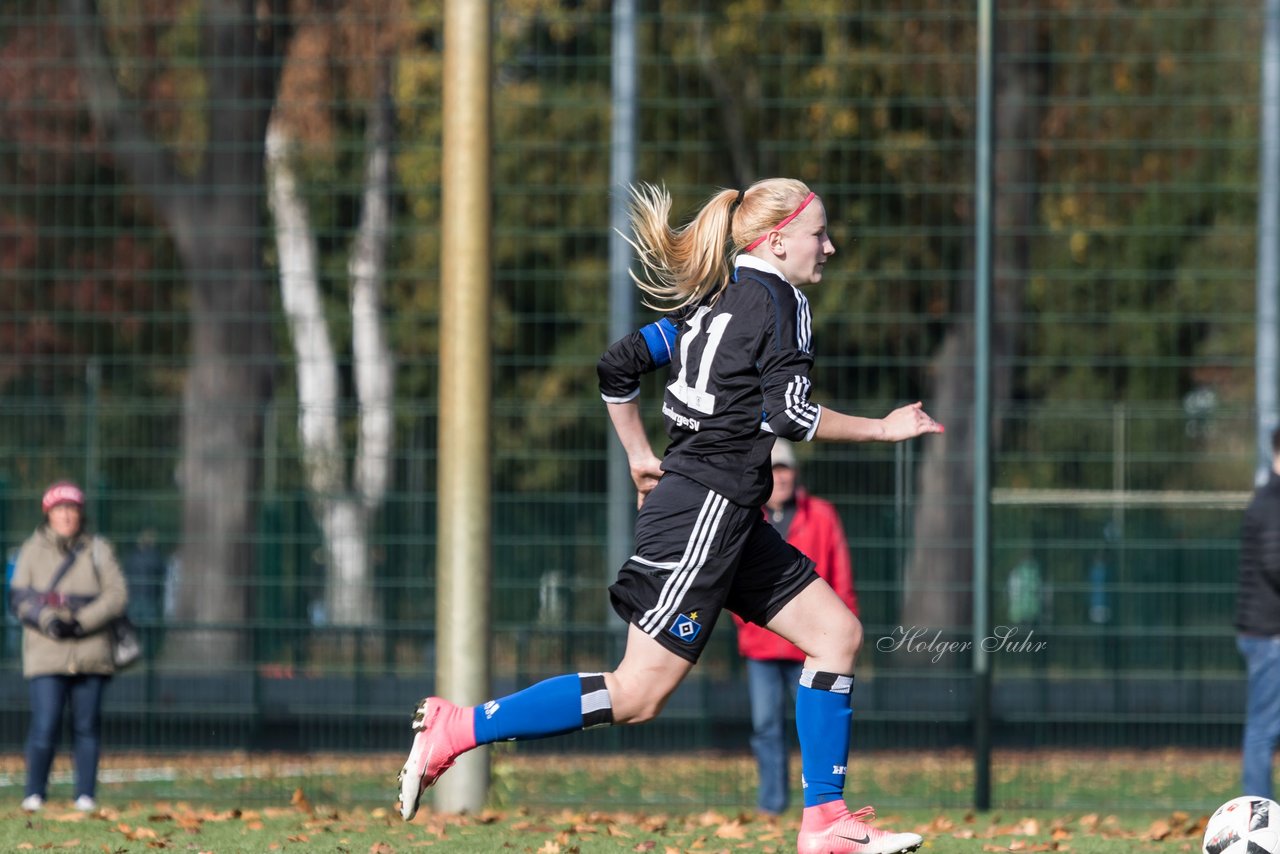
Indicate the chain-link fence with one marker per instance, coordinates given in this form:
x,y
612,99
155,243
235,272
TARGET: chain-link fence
x,y
152,348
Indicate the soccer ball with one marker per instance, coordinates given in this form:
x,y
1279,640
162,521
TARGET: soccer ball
x,y
1248,825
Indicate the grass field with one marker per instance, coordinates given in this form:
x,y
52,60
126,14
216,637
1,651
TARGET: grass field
x,y
165,826
666,804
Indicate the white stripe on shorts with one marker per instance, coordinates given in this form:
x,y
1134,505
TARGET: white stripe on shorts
x,y
695,555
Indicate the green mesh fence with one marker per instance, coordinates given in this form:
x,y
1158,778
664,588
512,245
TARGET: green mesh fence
x,y
146,351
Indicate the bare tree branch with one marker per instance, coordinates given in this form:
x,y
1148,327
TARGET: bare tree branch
x,y
304,309
344,518
374,367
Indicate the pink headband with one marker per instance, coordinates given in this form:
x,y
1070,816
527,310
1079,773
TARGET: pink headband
x,y
795,213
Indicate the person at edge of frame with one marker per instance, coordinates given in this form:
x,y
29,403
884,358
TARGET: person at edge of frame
x,y
1257,626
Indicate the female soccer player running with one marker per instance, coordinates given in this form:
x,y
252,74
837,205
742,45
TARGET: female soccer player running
x,y
736,341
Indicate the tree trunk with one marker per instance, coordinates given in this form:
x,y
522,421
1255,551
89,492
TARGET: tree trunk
x,y
228,385
214,220
940,565
939,571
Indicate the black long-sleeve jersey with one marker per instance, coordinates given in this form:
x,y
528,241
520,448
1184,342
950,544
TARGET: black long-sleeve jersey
x,y
738,376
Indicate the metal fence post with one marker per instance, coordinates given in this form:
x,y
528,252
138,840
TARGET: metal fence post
x,y
983,219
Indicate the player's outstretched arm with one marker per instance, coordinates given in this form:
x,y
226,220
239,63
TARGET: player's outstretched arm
x,y
645,466
905,422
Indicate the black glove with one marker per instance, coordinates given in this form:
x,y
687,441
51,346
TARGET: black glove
x,y
63,629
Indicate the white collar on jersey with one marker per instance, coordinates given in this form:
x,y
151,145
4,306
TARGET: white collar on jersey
x,y
760,264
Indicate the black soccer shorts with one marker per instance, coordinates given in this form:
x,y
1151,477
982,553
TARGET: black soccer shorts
x,y
696,554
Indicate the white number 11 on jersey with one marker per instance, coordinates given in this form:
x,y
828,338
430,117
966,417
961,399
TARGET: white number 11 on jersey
x,y
695,396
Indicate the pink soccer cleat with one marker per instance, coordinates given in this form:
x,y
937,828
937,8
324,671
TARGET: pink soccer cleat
x,y
445,732
831,829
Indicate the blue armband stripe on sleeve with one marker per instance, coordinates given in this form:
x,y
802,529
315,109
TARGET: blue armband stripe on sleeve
x,y
660,337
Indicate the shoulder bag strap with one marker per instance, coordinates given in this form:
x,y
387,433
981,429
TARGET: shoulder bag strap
x,y
63,568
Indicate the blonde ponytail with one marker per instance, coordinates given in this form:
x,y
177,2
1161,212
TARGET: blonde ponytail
x,y
683,266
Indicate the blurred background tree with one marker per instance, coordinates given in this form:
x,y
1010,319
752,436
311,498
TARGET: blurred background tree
x,y
1126,193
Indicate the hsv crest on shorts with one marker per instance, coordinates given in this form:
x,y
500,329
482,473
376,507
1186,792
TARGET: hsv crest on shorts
x,y
686,627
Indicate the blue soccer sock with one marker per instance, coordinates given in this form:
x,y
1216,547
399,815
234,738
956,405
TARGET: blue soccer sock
x,y
552,707
823,716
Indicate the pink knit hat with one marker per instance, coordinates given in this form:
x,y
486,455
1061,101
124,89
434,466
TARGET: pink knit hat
x,y
62,492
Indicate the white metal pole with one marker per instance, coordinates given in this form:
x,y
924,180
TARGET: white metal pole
x,y
622,170
1268,274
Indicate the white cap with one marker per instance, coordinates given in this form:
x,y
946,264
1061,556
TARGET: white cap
x,y
782,454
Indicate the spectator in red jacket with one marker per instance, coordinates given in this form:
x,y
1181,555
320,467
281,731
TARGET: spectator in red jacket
x,y
773,664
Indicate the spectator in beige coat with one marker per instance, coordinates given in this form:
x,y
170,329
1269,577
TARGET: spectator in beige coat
x,y
67,588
